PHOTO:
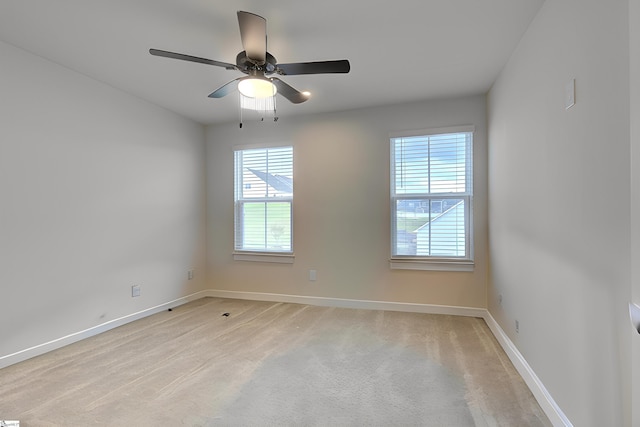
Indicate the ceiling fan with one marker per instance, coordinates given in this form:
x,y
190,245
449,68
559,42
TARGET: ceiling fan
x,y
258,64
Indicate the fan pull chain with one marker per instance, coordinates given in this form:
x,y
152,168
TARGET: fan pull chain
x,y
275,115
240,107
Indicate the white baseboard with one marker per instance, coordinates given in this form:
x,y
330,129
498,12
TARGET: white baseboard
x,y
351,303
39,349
551,409
548,405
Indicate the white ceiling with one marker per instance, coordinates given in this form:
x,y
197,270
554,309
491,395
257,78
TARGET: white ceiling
x,y
405,50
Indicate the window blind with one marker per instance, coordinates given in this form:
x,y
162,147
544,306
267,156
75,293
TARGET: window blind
x,y
263,188
431,190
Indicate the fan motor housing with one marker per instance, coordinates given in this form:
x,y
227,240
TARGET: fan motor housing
x,y
246,64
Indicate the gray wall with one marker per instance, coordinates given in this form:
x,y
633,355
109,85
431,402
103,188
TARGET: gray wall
x,y
99,191
559,188
634,50
341,206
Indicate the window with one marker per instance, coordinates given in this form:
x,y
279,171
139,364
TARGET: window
x,y
431,199
263,193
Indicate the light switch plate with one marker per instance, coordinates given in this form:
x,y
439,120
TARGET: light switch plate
x,y
570,94
634,312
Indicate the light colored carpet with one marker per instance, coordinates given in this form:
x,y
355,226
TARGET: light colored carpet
x,y
274,364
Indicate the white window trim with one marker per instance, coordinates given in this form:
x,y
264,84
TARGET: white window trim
x,y
433,131
436,264
260,145
431,265
283,258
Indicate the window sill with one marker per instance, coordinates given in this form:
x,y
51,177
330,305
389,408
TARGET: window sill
x,y
432,265
278,258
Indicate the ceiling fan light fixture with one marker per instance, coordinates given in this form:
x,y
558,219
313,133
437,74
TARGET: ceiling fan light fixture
x,y
256,90
257,87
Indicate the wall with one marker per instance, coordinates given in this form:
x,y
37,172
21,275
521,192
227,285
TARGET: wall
x,y
634,73
341,207
559,188
99,191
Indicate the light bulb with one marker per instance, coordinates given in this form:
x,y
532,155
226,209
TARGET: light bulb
x,y
257,88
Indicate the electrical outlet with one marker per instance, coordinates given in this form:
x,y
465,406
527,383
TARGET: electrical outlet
x,y
517,327
500,299
135,291
190,274
313,275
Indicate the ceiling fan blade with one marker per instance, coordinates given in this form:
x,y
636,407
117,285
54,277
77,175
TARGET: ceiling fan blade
x,y
183,57
253,32
289,92
224,90
318,67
